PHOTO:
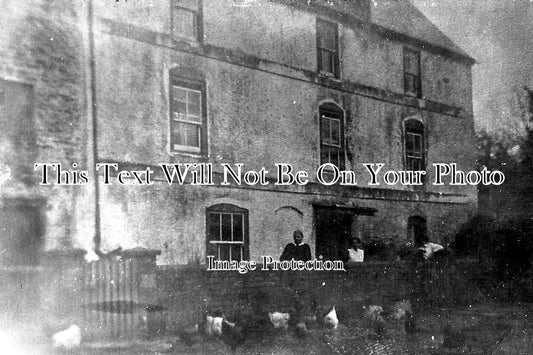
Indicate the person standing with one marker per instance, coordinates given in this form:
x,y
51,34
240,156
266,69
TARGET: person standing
x,y
354,253
297,250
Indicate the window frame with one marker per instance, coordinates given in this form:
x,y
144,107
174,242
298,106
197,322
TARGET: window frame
x,y
414,128
211,244
335,113
335,53
416,77
177,5
195,86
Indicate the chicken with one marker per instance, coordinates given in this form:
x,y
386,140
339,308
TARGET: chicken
x,y
300,330
374,312
298,323
331,320
213,326
429,249
233,334
68,339
91,256
279,320
400,309
95,255
312,318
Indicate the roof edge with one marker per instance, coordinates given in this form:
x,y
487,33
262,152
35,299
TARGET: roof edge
x,y
351,20
401,37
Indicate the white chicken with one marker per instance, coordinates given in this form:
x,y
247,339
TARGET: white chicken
x,y
213,326
331,320
68,339
91,256
279,320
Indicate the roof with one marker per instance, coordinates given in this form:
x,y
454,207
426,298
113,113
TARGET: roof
x,y
402,17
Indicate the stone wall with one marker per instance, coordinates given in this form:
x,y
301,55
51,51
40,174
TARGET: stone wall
x,y
262,97
262,94
171,218
42,49
188,293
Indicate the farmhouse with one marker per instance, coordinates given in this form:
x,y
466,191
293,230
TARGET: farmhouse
x,y
278,82
105,98
257,83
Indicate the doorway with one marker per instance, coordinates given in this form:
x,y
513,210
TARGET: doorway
x,y
417,231
333,231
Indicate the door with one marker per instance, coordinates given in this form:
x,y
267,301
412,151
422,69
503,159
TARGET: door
x,y
417,230
333,232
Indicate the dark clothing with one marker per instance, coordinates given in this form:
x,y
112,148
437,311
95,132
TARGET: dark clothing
x,y
296,252
344,255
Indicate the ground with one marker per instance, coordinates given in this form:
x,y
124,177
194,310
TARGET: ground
x,y
486,329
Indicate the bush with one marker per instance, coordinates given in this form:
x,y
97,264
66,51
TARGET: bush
x,y
509,244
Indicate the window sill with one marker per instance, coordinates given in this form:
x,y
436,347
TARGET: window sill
x,y
187,154
414,95
329,76
178,148
191,42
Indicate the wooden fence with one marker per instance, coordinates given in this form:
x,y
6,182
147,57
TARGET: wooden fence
x,y
111,297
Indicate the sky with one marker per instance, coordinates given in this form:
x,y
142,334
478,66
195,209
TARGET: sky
x,y
499,35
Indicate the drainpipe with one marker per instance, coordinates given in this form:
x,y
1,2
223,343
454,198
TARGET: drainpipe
x,y
93,126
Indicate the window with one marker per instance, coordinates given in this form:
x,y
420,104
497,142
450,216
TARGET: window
x,y
227,232
411,73
327,48
414,145
331,135
186,19
188,119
